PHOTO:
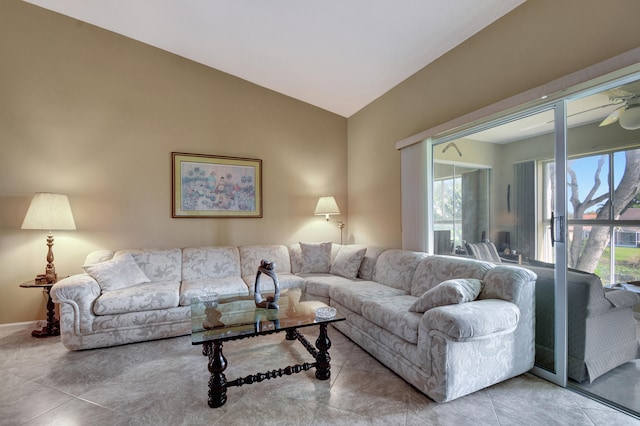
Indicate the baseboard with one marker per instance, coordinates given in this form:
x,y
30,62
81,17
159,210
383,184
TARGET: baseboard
x,y
25,324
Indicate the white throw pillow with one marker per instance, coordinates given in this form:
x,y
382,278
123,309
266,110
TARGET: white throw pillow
x,y
347,262
118,273
316,258
448,292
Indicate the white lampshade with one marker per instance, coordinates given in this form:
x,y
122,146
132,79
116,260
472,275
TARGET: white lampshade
x,y
49,212
630,118
327,206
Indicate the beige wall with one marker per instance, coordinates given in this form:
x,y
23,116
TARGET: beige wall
x,y
536,43
95,115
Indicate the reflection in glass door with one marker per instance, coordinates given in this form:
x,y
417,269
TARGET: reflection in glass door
x,y
461,194
603,198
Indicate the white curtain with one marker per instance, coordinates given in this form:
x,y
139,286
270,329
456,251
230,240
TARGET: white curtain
x,y
415,165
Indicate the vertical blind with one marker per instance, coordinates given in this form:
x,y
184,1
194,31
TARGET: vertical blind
x,y
524,196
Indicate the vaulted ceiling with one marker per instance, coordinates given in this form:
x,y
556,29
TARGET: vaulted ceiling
x,y
338,55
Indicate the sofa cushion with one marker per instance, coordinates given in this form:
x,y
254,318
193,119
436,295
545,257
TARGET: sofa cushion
x,y
250,257
448,292
368,266
98,256
158,264
139,326
436,269
320,284
352,296
347,262
266,283
116,274
295,254
395,268
316,258
392,314
622,298
223,285
200,263
141,297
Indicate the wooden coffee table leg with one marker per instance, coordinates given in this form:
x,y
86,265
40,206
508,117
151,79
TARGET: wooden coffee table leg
x,y
217,381
323,370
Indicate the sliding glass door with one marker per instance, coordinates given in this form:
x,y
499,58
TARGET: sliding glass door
x,y
488,187
549,258
603,200
556,189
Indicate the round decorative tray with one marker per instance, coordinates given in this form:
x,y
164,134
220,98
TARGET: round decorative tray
x,y
325,312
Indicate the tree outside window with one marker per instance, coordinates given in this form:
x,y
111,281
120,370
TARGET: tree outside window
x,y
604,214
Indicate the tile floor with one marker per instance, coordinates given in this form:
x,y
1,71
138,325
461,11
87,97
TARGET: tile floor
x,y
619,386
164,382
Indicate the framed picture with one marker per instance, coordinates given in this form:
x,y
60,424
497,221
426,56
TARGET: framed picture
x,y
215,186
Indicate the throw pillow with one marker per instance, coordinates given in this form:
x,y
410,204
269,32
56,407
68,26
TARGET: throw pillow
x,y
347,262
316,258
448,293
118,273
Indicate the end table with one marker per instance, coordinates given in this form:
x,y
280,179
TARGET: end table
x,y
53,326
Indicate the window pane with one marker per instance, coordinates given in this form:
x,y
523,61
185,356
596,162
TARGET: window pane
x,y
588,187
626,169
457,198
549,189
627,254
438,201
589,250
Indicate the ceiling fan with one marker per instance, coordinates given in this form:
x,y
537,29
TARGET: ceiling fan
x,y
628,114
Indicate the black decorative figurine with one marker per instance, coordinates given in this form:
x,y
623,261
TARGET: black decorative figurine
x,y
268,268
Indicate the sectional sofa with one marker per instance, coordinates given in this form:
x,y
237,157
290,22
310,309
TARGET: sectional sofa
x,y
449,326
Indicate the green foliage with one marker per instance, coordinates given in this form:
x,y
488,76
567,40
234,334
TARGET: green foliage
x,y
627,263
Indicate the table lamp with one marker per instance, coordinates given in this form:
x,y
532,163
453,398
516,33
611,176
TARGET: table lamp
x,y
326,207
49,212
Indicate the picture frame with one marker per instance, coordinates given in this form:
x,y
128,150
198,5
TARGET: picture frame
x,y
213,186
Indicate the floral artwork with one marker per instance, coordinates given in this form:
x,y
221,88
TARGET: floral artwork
x,y
210,186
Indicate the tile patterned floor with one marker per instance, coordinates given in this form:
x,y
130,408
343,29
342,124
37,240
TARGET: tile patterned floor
x,y
164,382
620,386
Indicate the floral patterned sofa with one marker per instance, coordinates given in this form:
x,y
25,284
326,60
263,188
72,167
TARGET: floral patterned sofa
x,y
449,326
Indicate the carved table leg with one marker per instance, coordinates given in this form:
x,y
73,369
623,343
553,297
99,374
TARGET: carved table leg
x,y
53,326
217,381
206,349
291,334
323,360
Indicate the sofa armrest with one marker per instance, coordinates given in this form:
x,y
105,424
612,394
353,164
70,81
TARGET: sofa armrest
x,y
80,292
472,320
622,298
508,283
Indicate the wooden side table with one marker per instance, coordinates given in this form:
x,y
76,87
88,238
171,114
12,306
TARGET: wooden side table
x,y
53,325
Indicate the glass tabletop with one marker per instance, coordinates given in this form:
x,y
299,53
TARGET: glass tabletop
x,y
232,317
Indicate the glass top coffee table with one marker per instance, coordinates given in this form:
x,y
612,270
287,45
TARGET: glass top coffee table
x,y
215,320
